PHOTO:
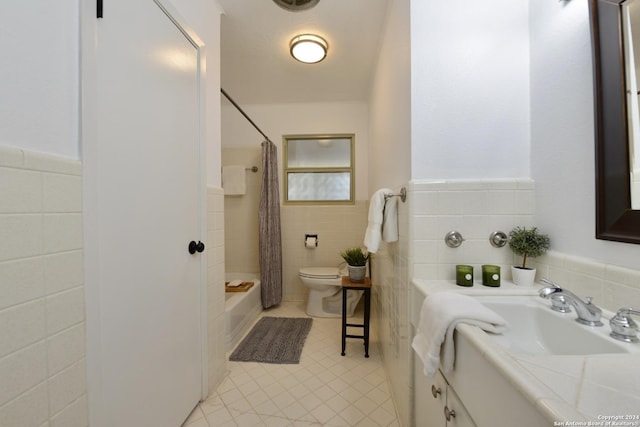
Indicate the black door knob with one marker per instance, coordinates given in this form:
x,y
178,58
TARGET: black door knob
x,y
196,247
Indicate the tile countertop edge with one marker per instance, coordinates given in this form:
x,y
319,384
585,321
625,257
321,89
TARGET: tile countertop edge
x,y
540,393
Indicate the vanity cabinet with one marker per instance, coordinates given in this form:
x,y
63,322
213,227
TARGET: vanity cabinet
x,y
480,391
479,394
436,403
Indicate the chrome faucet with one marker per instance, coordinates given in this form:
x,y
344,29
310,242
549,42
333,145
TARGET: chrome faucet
x,y
588,313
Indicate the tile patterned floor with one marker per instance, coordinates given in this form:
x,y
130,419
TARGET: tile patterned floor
x,y
325,389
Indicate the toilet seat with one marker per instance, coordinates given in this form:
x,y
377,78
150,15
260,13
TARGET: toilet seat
x,y
320,272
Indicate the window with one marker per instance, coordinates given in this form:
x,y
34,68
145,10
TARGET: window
x,y
319,168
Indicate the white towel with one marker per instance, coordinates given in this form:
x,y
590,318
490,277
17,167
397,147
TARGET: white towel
x,y
390,221
373,235
234,180
234,283
440,314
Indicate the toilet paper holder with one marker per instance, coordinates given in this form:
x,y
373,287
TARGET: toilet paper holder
x,y
311,240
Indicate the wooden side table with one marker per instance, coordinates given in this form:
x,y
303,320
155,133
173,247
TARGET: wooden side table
x,y
365,286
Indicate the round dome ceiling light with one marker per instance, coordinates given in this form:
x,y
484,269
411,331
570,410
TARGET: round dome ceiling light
x,y
296,5
308,48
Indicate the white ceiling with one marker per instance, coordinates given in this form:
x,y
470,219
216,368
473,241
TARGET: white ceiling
x,y
256,65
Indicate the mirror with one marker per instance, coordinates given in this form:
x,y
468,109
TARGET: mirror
x,y
615,218
631,42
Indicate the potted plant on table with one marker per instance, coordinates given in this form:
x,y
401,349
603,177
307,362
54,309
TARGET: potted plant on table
x,y
528,243
356,260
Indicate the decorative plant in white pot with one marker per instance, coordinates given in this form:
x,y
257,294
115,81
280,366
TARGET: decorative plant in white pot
x,y
527,243
356,260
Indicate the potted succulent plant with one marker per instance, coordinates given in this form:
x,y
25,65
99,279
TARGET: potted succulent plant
x,y
527,243
356,260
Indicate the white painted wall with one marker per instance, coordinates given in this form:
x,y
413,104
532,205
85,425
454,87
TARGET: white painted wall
x,y
39,76
390,104
470,89
277,120
390,167
204,18
562,133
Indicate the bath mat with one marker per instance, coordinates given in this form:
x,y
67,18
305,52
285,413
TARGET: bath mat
x,y
274,340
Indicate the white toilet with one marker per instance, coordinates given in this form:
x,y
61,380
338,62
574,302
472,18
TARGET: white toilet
x,y
325,292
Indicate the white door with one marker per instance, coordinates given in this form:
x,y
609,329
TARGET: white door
x,y
144,207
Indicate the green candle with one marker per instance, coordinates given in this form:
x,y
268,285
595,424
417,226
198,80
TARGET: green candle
x,y
491,275
464,275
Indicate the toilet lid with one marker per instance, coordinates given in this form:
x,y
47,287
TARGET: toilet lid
x,y
320,272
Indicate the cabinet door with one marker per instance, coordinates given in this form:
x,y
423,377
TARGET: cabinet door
x,y
458,415
429,398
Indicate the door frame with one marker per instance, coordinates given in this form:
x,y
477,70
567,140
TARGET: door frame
x,y
88,122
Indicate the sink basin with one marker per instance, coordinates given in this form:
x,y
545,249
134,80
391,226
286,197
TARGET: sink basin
x,y
536,329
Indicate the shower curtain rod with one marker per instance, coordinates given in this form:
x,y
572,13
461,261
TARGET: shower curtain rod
x,y
244,114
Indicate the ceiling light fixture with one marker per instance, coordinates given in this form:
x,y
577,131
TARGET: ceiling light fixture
x,y
308,48
296,5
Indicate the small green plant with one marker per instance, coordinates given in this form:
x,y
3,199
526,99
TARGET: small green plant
x,y
355,256
528,243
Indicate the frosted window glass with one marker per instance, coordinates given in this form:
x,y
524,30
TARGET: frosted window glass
x,y
321,152
323,186
319,168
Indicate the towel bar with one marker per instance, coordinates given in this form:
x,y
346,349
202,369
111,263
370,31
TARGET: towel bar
x,y
402,195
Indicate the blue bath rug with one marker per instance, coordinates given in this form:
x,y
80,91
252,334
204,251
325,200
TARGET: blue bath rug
x,y
274,340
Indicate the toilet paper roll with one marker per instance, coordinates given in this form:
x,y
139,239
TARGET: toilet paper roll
x,y
311,242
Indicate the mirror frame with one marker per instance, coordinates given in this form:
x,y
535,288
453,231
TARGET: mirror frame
x,y
615,220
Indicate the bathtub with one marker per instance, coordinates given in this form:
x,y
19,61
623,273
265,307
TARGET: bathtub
x,y
240,308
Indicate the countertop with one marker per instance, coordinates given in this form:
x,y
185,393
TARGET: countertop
x,y
567,390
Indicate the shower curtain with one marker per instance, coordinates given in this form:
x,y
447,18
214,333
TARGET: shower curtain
x,y
270,240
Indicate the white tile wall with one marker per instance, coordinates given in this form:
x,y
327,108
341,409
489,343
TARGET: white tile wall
x,y
337,227
390,292
42,312
611,287
446,205
475,209
241,219
216,365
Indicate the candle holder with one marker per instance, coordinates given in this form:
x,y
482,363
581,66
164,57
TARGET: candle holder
x,y
464,275
491,275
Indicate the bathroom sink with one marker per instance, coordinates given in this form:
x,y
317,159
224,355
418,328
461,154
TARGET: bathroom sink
x,y
536,329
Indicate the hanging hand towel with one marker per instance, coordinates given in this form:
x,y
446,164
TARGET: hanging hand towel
x,y
390,220
373,235
234,180
440,314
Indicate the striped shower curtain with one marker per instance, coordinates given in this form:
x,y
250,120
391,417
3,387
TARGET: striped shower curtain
x,y
270,240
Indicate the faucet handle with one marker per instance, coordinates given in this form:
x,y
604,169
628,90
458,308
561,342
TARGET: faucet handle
x,y
623,327
549,282
594,307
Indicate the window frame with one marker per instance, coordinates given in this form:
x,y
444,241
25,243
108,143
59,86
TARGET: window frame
x,y
286,169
